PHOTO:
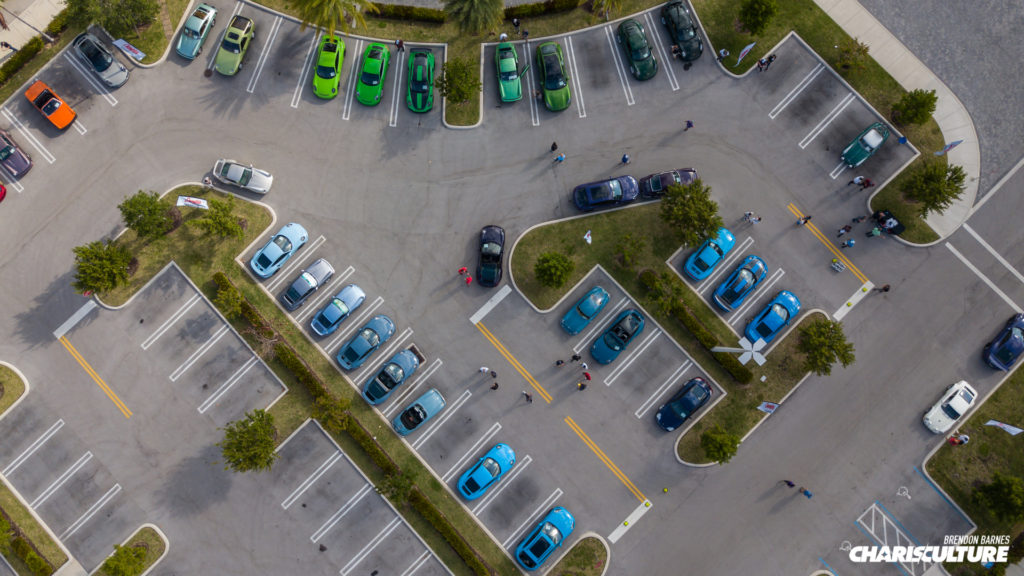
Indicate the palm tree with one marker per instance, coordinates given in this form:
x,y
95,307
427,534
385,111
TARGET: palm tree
x,y
333,15
476,16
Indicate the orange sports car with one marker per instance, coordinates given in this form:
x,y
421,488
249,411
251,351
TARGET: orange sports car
x,y
52,106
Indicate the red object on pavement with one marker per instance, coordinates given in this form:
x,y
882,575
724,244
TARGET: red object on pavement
x,y
469,280
587,375
463,270
3,192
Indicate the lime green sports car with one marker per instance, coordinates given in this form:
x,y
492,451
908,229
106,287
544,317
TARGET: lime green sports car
x,y
237,38
370,87
554,76
510,87
420,96
327,72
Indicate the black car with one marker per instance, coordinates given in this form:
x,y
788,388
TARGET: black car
x,y
681,29
683,404
492,250
655,185
312,278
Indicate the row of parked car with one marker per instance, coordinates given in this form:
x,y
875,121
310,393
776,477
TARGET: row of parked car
x,y
620,190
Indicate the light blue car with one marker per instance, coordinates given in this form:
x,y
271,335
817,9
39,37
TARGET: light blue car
x,y
580,315
393,374
195,31
337,310
732,292
700,264
485,473
281,247
545,538
627,326
419,412
775,316
376,332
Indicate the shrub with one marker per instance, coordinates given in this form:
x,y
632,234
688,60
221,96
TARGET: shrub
x,y
21,547
303,374
448,532
549,7
332,413
649,280
37,565
58,24
553,269
416,13
915,107
719,445
757,14
370,446
229,301
20,58
125,561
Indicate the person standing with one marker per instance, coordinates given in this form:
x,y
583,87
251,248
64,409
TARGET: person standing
x,y
584,366
766,65
560,158
883,288
859,180
806,492
689,124
723,53
529,397
587,376
484,370
848,244
559,363
400,44
755,219
747,216
575,358
502,37
876,231
463,271
803,221
554,146
581,386
844,230
761,65
515,25
494,386
867,183
625,158
469,279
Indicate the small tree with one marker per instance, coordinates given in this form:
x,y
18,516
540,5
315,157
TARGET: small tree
x,y
229,301
553,269
757,14
220,219
332,413
628,248
852,54
824,343
935,186
249,444
691,211
100,266
1003,496
719,445
915,107
145,214
475,16
458,80
125,561
396,487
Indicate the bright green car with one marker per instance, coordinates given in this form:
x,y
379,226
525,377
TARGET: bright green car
x,y
506,60
633,39
233,48
327,73
371,78
554,77
420,95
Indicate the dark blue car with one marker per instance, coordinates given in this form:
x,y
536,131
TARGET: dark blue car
x,y
735,289
605,193
1002,352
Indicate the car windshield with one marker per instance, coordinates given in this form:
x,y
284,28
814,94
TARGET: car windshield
x,y
340,308
640,51
370,79
326,72
283,243
491,466
230,43
552,533
100,59
743,279
245,176
370,336
51,106
6,152
553,70
412,417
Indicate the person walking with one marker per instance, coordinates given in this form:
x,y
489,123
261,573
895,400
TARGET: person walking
x,y
625,158
803,220
867,183
876,231
583,365
587,376
484,370
554,146
723,53
494,374
747,216
806,492
502,37
560,158
788,483
515,25
844,230
769,61
559,363
689,124
858,180
463,270
882,289
859,219
526,34
755,219
529,397
677,52
575,358
400,44
848,244
761,65
581,386
494,386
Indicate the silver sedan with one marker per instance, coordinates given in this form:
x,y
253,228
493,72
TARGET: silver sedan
x,y
247,177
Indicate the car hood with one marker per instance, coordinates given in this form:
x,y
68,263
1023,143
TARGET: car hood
x,y
557,99
17,162
188,46
116,74
227,62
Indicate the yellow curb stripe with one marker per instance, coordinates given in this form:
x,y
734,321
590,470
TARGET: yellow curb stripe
x,y
96,377
515,363
827,242
604,458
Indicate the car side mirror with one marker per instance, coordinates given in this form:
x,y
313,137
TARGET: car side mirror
x,y
524,71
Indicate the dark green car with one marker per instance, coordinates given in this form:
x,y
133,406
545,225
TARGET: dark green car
x,y
420,95
865,145
633,39
554,77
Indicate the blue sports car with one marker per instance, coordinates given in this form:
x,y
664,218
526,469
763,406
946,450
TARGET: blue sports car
x,y
605,193
376,332
775,316
710,253
735,289
548,535
393,374
580,315
617,337
1002,352
281,247
337,310
475,481
416,414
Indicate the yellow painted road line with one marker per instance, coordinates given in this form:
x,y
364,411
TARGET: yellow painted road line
x,y
96,378
515,363
828,242
604,458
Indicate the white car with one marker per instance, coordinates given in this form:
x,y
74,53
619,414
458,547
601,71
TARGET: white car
x,y
247,177
955,401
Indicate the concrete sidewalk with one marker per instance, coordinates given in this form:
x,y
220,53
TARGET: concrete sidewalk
x,y
26,19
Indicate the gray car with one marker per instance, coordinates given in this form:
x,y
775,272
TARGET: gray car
x,y
247,177
96,56
318,274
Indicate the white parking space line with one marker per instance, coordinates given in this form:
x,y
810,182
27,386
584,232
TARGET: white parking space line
x,y
199,353
494,429
28,452
337,516
632,357
354,324
326,291
50,158
832,115
576,78
91,512
263,55
490,304
598,326
350,87
60,480
797,90
213,53
486,501
995,254
170,321
417,564
79,127
547,503
370,546
623,77
726,264
385,354
89,78
839,169
666,58
852,301
630,520
396,92
74,319
534,105
740,312
984,278
306,66
449,412
14,185
398,400
653,398
285,274
310,480
227,385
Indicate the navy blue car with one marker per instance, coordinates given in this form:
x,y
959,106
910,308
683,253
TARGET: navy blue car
x,y
1002,352
683,404
605,193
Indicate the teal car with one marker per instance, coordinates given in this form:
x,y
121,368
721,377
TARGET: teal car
x,y
370,88
633,39
420,94
327,73
554,77
233,48
195,31
506,61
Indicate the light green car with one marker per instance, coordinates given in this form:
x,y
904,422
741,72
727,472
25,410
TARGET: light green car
x,y
237,38
327,70
554,77
506,61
